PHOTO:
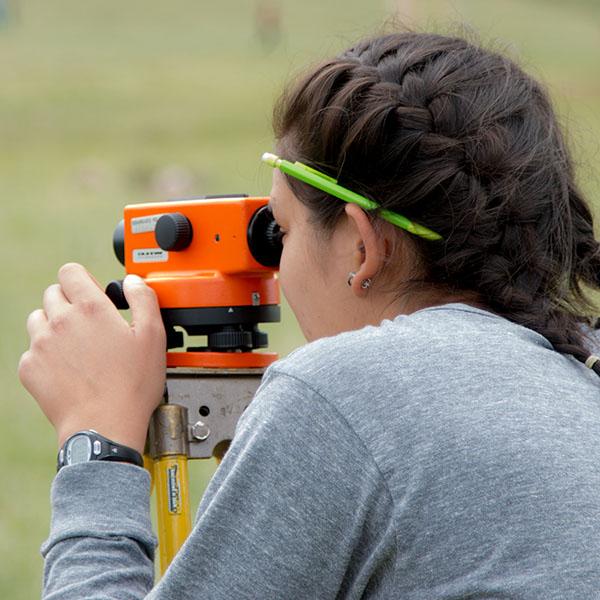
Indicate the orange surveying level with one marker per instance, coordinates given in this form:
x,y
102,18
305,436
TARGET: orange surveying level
x,y
212,262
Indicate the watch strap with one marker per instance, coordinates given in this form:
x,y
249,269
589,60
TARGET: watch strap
x,y
102,448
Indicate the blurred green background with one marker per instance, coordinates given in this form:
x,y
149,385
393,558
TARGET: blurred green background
x,y
105,103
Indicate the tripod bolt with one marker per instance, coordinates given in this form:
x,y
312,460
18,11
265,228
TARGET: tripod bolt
x,y
200,431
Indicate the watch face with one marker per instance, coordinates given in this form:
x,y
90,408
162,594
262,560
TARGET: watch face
x,y
79,449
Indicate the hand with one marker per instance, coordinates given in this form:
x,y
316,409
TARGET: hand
x,y
87,367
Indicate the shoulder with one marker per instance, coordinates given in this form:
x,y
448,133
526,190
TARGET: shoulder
x,y
413,346
430,367
426,364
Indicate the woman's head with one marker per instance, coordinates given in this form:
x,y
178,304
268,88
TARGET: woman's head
x,y
461,140
315,272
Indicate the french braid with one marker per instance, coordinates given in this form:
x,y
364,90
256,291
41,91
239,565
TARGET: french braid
x,y
460,139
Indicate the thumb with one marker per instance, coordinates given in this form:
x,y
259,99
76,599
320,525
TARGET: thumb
x,y
142,301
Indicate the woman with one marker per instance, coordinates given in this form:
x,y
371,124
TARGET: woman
x,y
440,435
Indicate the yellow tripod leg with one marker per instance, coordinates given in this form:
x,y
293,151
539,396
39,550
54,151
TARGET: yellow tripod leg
x,y
168,446
171,483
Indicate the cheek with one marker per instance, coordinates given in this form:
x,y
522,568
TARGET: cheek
x,y
287,269
293,277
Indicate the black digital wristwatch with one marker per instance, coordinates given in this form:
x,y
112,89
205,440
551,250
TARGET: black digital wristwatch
x,y
88,445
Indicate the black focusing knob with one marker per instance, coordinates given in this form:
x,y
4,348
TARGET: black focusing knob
x,y
114,290
173,232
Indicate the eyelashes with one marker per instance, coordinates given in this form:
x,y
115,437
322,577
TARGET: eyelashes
x,y
278,231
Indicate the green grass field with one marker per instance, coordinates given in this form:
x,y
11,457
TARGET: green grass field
x,y
104,104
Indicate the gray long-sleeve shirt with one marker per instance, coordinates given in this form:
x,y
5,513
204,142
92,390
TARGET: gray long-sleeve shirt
x,y
449,454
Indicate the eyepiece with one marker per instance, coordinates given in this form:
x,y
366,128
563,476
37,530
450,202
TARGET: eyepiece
x,y
264,239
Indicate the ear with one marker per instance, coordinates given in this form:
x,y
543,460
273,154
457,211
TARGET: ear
x,y
371,248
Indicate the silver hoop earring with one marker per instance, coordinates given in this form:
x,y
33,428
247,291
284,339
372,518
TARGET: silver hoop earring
x,y
351,276
365,283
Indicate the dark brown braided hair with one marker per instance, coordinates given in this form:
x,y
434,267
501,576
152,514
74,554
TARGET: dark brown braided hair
x,y
459,139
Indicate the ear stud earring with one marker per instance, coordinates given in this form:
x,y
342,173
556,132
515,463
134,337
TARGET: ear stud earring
x,y
364,284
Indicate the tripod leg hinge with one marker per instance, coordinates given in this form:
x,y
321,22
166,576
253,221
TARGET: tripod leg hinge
x,y
167,435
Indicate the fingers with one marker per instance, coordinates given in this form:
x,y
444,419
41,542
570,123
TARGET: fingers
x,y
37,322
55,302
144,306
95,281
78,286
37,328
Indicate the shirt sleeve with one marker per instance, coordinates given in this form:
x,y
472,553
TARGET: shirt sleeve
x,y
101,543
298,509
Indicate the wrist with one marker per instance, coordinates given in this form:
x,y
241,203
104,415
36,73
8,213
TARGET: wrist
x,y
88,445
132,439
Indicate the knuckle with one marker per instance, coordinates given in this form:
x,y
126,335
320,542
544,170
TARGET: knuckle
x,y
89,306
25,366
52,288
40,343
49,290
58,323
33,315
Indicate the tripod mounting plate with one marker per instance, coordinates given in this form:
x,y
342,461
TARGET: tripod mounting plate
x,y
215,399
